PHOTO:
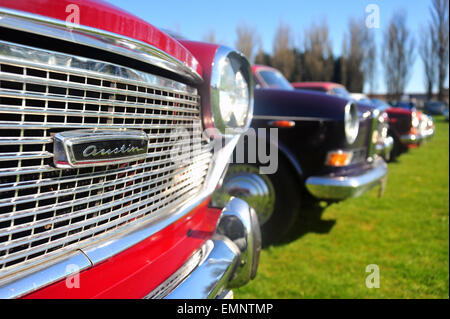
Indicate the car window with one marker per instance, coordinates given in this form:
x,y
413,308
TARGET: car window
x,y
275,80
341,92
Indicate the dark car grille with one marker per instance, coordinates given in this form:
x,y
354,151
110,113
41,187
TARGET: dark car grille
x,y
45,211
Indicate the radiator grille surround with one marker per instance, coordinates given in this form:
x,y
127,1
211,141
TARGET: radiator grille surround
x,y
46,211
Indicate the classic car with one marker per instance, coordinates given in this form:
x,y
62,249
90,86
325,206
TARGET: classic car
x,y
408,127
325,147
435,107
113,137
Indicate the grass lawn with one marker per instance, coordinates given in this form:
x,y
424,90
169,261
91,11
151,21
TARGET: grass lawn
x,y
405,233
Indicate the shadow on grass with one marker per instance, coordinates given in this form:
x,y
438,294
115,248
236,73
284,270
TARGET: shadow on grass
x,y
309,220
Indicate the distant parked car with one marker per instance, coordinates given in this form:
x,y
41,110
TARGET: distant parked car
x,y
408,128
325,147
406,105
446,114
435,107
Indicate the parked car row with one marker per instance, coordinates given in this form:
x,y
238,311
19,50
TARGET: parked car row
x,y
408,126
115,143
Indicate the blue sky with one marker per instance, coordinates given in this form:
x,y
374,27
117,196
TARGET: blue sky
x,y
195,18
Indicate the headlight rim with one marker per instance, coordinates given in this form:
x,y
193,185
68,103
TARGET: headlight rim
x,y
351,114
222,53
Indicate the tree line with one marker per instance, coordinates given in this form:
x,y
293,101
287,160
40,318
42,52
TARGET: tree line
x,y
312,59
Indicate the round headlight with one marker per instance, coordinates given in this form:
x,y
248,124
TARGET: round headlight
x,y
231,92
351,122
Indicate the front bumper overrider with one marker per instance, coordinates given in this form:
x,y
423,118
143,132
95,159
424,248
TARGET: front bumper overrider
x,y
332,187
231,258
384,148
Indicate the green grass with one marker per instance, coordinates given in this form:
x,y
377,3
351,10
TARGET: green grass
x,y
405,232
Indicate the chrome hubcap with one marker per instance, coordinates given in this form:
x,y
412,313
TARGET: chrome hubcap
x,y
244,181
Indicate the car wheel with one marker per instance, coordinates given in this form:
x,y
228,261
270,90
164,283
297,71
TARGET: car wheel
x,y
275,197
397,149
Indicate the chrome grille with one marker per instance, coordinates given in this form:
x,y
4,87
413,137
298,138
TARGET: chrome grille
x,y
45,211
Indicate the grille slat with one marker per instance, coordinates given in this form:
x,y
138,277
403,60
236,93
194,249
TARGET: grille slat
x,y
24,156
43,81
80,68
48,111
79,99
46,211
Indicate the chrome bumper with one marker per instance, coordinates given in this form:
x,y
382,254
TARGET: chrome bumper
x,y
231,259
341,187
428,133
408,139
384,149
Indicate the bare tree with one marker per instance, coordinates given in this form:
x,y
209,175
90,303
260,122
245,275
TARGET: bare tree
x,y
263,57
429,55
369,64
398,55
247,40
318,54
283,50
440,28
359,56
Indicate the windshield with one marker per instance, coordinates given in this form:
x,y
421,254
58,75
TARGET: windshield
x,y
340,92
275,80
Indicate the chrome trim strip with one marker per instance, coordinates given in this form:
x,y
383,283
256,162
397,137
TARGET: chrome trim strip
x,y
209,279
341,187
29,282
184,271
290,118
96,38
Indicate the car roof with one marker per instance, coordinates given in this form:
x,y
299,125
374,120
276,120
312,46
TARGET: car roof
x,y
325,85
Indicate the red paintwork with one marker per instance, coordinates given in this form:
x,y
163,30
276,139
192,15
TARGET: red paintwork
x,y
326,86
141,268
101,15
398,110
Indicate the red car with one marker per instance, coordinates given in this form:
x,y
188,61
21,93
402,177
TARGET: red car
x,y
106,170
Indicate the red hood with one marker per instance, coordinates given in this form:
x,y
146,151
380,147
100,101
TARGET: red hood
x,y
101,15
